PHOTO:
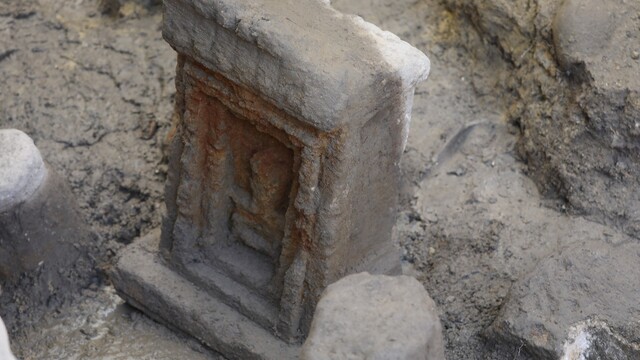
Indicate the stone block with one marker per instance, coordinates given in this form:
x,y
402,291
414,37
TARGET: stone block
x,y
365,316
283,173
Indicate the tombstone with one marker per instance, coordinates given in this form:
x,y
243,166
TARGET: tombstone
x,y
283,173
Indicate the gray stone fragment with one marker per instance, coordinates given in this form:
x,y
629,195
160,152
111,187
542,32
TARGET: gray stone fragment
x,y
580,126
580,302
22,170
595,339
367,316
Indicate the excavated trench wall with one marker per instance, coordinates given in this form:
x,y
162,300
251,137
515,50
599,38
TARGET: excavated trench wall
x,y
575,92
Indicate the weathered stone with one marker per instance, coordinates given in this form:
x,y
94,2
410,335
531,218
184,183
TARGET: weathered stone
x,y
580,302
290,115
22,170
41,231
365,316
596,38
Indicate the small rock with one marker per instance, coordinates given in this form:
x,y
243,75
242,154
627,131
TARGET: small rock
x,y
635,55
431,217
459,171
109,7
89,331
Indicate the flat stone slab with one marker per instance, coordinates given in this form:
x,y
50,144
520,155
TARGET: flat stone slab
x,y
144,280
22,170
365,316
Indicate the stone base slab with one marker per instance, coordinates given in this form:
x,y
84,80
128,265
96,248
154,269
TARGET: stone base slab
x,y
144,280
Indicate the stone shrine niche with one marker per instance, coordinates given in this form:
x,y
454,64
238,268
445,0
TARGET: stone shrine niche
x,y
283,170
249,165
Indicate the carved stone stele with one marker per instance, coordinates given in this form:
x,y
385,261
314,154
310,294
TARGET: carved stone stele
x,y
283,169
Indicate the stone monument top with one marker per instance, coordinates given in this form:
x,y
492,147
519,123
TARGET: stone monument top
x,y
304,55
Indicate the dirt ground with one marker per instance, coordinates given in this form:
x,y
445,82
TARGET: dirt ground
x,y
95,93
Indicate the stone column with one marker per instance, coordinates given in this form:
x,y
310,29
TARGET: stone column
x,y
283,170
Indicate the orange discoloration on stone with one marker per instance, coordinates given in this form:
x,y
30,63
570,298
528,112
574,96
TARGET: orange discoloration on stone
x,y
262,162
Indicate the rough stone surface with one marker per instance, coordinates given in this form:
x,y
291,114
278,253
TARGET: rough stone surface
x,y
146,281
592,38
270,172
580,302
266,45
92,90
365,316
41,231
22,170
43,241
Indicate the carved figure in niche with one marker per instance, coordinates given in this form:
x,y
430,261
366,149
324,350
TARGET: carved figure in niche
x,y
263,175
